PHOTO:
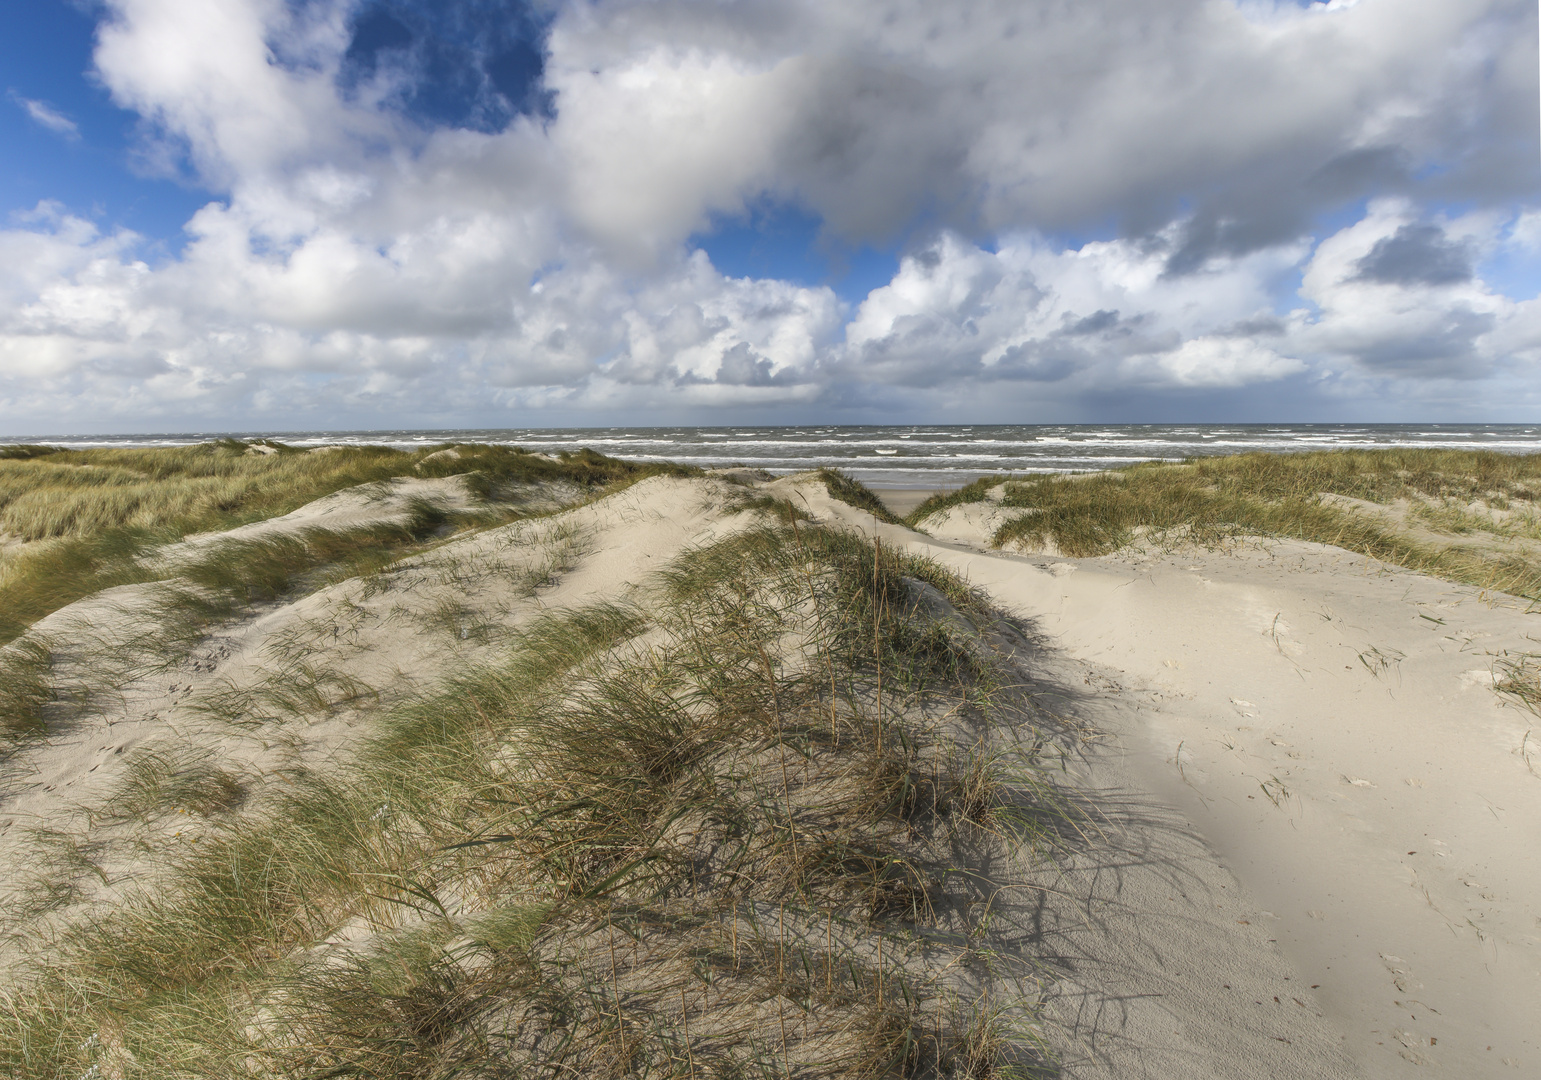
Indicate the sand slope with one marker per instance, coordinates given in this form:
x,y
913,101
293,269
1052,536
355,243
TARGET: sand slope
x,y
1328,726
1314,842
341,651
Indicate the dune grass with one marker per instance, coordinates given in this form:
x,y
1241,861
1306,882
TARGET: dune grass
x,y
91,515
1209,500
1519,677
972,492
724,834
854,493
160,780
24,689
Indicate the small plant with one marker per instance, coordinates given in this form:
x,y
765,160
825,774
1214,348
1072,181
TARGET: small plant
x,y
160,781
975,491
25,688
854,493
1519,677
783,510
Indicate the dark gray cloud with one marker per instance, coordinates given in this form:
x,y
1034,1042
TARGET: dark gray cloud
x,y
743,366
1448,349
1095,323
1416,254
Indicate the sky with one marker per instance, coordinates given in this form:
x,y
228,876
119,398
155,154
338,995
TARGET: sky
x,y
303,214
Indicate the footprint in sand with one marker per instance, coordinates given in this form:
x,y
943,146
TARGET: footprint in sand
x,y
1401,973
1412,1047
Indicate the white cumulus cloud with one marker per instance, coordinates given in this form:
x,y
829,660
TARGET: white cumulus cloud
x,y
1116,197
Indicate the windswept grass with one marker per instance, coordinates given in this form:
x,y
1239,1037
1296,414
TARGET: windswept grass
x,y
84,493
718,836
1209,500
855,493
1519,677
25,689
159,780
92,516
784,510
973,492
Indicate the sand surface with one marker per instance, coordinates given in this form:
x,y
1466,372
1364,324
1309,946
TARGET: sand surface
x,y
1317,849
902,500
1327,726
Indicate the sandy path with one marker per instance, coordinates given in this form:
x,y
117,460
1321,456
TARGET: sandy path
x,y
1343,753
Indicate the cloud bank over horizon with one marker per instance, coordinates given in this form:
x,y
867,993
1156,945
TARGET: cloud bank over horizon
x,y
480,213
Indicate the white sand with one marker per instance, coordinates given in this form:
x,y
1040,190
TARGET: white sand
x,y
1320,849
388,502
1327,726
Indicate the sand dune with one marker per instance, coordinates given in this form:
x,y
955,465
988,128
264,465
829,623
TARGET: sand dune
x,y
1312,842
1327,725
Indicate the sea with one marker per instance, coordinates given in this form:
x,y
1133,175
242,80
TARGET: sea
x,y
902,456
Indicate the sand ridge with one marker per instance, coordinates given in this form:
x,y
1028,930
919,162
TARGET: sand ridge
x,y
1312,847
232,702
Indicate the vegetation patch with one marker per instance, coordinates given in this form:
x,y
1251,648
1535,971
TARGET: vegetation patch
x,y
855,493
24,689
974,492
739,830
91,518
1210,500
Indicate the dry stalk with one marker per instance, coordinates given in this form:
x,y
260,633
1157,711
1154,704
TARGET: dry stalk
x,y
781,1015
829,954
829,661
615,987
877,639
781,941
690,1055
881,980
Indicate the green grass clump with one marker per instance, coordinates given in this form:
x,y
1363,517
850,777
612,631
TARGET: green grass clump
x,y
1209,500
25,667
855,493
158,780
782,509
973,492
83,493
27,452
716,832
491,471
1519,677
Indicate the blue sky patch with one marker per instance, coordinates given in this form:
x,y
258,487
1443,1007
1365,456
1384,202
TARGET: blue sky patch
x,y
45,54
786,242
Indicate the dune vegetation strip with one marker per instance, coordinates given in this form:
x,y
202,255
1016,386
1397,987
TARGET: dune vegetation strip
x,y
1465,516
738,830
97,520
85,518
